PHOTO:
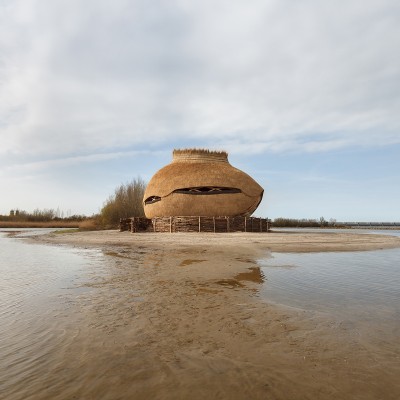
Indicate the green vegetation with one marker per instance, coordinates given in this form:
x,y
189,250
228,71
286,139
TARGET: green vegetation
x,y
126,202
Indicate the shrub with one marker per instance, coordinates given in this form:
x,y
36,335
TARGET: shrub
x,y
89,225
126,202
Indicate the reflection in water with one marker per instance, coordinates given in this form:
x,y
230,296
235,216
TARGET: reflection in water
x,y
229,283
55,328
362,287
69,326
255,275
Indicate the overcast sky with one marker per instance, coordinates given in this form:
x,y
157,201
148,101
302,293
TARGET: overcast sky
x,y
304,95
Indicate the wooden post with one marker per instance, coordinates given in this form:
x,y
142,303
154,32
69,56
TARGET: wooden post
x,y
227,224
170,224
245,224
199,224
154,224
214,223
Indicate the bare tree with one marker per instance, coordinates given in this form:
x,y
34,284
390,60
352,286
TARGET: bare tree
x,y
126,202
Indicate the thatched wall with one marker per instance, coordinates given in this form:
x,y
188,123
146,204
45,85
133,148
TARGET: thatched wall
x,y
196,224
201,182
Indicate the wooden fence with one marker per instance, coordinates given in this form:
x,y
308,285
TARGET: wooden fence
x,y
196,224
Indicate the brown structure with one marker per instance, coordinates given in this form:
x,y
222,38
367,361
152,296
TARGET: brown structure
x,y
201,183
195,224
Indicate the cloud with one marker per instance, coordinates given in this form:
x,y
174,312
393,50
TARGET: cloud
x,y
24,168
98,76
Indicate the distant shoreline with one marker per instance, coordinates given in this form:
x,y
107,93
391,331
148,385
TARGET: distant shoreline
x,y
365,227
33,224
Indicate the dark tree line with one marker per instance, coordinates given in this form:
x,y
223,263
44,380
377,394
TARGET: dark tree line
x,y
37,215
303,223
125,202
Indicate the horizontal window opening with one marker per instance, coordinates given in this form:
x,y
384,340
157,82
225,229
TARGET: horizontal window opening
x,y
207,190
152,199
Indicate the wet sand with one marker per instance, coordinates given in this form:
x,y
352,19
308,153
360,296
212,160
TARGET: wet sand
x,y
182,318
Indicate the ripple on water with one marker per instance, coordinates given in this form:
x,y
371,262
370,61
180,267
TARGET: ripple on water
x,y
349,285
36,284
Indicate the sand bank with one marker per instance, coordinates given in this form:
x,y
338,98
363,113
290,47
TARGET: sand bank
x,y
199,328
246,242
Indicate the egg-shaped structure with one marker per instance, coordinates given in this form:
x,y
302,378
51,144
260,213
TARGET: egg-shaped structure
x,y
201,183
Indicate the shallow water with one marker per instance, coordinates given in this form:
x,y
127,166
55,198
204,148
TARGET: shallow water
x,y
67,315
38,284
361,288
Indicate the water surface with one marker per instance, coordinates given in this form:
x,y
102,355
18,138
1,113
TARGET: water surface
x,y
68,320
358,287
39,318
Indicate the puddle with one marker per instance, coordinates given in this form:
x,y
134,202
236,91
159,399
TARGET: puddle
x,y
360,285
187,262
231,283
255,275
115,254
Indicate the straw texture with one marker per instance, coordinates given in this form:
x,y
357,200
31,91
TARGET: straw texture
x,y
201,169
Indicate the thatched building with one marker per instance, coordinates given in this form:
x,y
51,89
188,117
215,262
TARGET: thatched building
x,y
201,183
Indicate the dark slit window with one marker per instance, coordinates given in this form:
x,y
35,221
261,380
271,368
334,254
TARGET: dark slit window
x,y
207,190
152,199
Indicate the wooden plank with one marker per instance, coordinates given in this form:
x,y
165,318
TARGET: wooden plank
x,y
196,224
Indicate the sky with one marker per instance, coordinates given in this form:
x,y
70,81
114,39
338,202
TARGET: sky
x,y
304,95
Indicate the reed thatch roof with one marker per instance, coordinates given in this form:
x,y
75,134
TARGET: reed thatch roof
x,y
201,182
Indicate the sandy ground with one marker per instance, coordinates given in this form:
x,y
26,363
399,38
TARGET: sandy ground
x,y
200,330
